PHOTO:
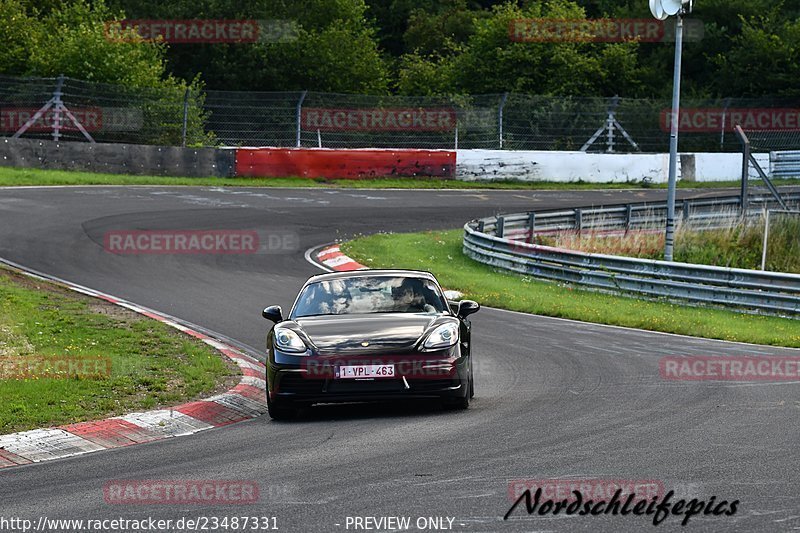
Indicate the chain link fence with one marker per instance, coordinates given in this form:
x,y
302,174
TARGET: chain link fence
x,y
67,109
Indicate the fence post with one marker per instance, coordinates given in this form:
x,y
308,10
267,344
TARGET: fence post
x,y
185,116
500,117
57,107
766,238
299,116
722,129
745,166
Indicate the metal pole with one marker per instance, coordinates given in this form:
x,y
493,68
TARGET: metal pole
x,y
745,168
299,116
57,109
766,236
724,118
673,140
185,116
500,117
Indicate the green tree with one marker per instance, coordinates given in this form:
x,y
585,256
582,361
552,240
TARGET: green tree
x,y
332,47
71,38
491,62
764,59
441,31
16,36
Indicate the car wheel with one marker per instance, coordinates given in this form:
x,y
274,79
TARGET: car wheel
x,y
280,410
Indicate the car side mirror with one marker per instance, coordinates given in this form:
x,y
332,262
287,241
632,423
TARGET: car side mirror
x,y
467,307
453,306
273,312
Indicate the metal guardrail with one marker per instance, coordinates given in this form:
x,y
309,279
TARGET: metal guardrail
x,y
784,164
500,241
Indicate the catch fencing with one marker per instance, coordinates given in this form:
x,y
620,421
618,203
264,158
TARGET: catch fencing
x,y
176,117
504,241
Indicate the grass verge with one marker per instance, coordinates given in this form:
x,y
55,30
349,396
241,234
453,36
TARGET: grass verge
x,y
42,325
440,252
25,177
737,246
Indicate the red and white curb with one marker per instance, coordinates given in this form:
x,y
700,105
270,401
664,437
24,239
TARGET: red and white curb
x,y
245,401
332,258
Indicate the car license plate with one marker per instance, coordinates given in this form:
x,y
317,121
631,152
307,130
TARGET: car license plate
x,y
365,371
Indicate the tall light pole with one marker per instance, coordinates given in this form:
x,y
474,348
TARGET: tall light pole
x,y
662,9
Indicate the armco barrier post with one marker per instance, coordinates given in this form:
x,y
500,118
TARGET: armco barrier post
x,y
628,216
499,229
532,224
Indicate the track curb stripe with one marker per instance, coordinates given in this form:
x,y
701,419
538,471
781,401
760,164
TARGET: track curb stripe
x,y
246,400
333,258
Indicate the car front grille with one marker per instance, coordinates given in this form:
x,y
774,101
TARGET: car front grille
x,y
365,386
297,384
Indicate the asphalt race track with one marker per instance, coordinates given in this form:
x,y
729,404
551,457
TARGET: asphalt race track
x,y
555,399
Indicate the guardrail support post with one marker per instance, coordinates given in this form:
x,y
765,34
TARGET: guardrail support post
x,y
578,219
532,225
685,211
628,217
499,229
480,226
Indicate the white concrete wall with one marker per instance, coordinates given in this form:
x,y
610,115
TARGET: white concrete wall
x,y
596,168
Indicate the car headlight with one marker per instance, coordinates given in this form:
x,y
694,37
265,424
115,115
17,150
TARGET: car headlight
x,y
289,341
444,336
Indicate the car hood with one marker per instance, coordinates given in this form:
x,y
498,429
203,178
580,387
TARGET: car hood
x,y
385,332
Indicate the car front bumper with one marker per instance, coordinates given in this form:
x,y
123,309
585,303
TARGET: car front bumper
x,y
312,379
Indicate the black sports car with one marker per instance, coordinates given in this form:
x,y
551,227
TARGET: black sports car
x,y
369,335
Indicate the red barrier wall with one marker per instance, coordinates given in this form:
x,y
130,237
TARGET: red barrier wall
x,y
355,164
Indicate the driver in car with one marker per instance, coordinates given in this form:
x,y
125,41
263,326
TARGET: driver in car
x,y
410,297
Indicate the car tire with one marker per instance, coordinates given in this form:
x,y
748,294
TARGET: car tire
x,y
280,410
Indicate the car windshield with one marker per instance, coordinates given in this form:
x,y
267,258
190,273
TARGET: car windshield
x,y
367,294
